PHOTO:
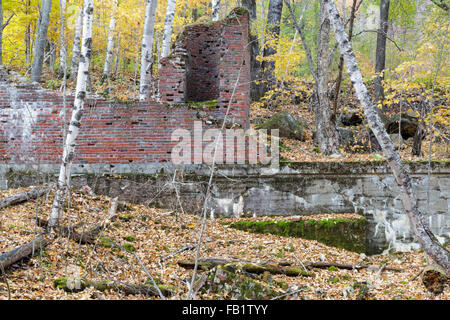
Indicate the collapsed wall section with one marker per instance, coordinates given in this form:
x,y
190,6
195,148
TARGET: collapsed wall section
x,y
210,62
205,64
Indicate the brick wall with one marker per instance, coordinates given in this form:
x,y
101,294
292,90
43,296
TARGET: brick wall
x,y
205,64
31,118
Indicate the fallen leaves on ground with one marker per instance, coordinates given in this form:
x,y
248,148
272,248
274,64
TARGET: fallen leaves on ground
x,y
157,233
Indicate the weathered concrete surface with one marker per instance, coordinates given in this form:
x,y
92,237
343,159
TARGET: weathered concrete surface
x,y
294,189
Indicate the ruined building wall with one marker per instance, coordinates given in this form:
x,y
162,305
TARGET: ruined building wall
x,y
205,64
31,118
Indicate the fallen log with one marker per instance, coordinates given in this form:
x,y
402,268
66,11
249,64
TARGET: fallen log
x,y
23,197
326,265
14,255
283,268
79,284
434,279
247,266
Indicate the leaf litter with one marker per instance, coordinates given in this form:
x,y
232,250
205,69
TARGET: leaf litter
x,y
156,233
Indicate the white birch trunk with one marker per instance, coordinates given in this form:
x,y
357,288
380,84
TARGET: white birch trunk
x,y
168,26
77,113
62,41
76,46
110,46
215,4
419,225
147,50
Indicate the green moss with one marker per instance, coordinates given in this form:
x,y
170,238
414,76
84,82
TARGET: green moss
x,y
129,238
60,283
125,217
347,234
202,104
129,247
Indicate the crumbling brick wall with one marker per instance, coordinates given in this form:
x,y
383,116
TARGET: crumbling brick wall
x,y
32,119
206,62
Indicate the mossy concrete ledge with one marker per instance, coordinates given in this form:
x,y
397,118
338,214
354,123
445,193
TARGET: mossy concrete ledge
x,y
349,234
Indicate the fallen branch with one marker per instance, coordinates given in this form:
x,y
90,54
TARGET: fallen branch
x,y
79,284
325,265
250,267
23,197
14,255
284,268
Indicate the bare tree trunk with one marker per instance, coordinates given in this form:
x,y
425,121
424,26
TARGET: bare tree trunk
x,y
326,133
76,46
337,89
273,25
117,58
168,26
62,41
110,46
147,50
77,113
215,4
380,56
41,40
256,90
418,222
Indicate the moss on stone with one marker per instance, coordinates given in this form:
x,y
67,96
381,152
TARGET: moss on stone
x,y
349,234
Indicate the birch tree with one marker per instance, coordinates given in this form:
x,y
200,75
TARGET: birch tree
x,y
110,46
215,5
147,50
41,40
168,26
77,113
418,222
62,40
76,46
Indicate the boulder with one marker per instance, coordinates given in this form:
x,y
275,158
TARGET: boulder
x,y
351,117
408,125
286,124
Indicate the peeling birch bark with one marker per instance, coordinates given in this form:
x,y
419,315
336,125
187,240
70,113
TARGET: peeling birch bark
x,y
76,46
147,50
110,46
215,4
168,26
77,113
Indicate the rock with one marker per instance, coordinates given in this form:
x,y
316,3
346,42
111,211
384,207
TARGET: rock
x,y
237,286
286,124
351,117
397,140
409,125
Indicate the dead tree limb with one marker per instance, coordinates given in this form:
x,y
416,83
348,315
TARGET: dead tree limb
x,y
10,257
79,284
284,268
23,197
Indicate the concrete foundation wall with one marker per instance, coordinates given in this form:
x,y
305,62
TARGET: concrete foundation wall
x,y
293,189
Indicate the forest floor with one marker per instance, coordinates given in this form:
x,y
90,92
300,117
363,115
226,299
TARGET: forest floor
x,y
155,233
